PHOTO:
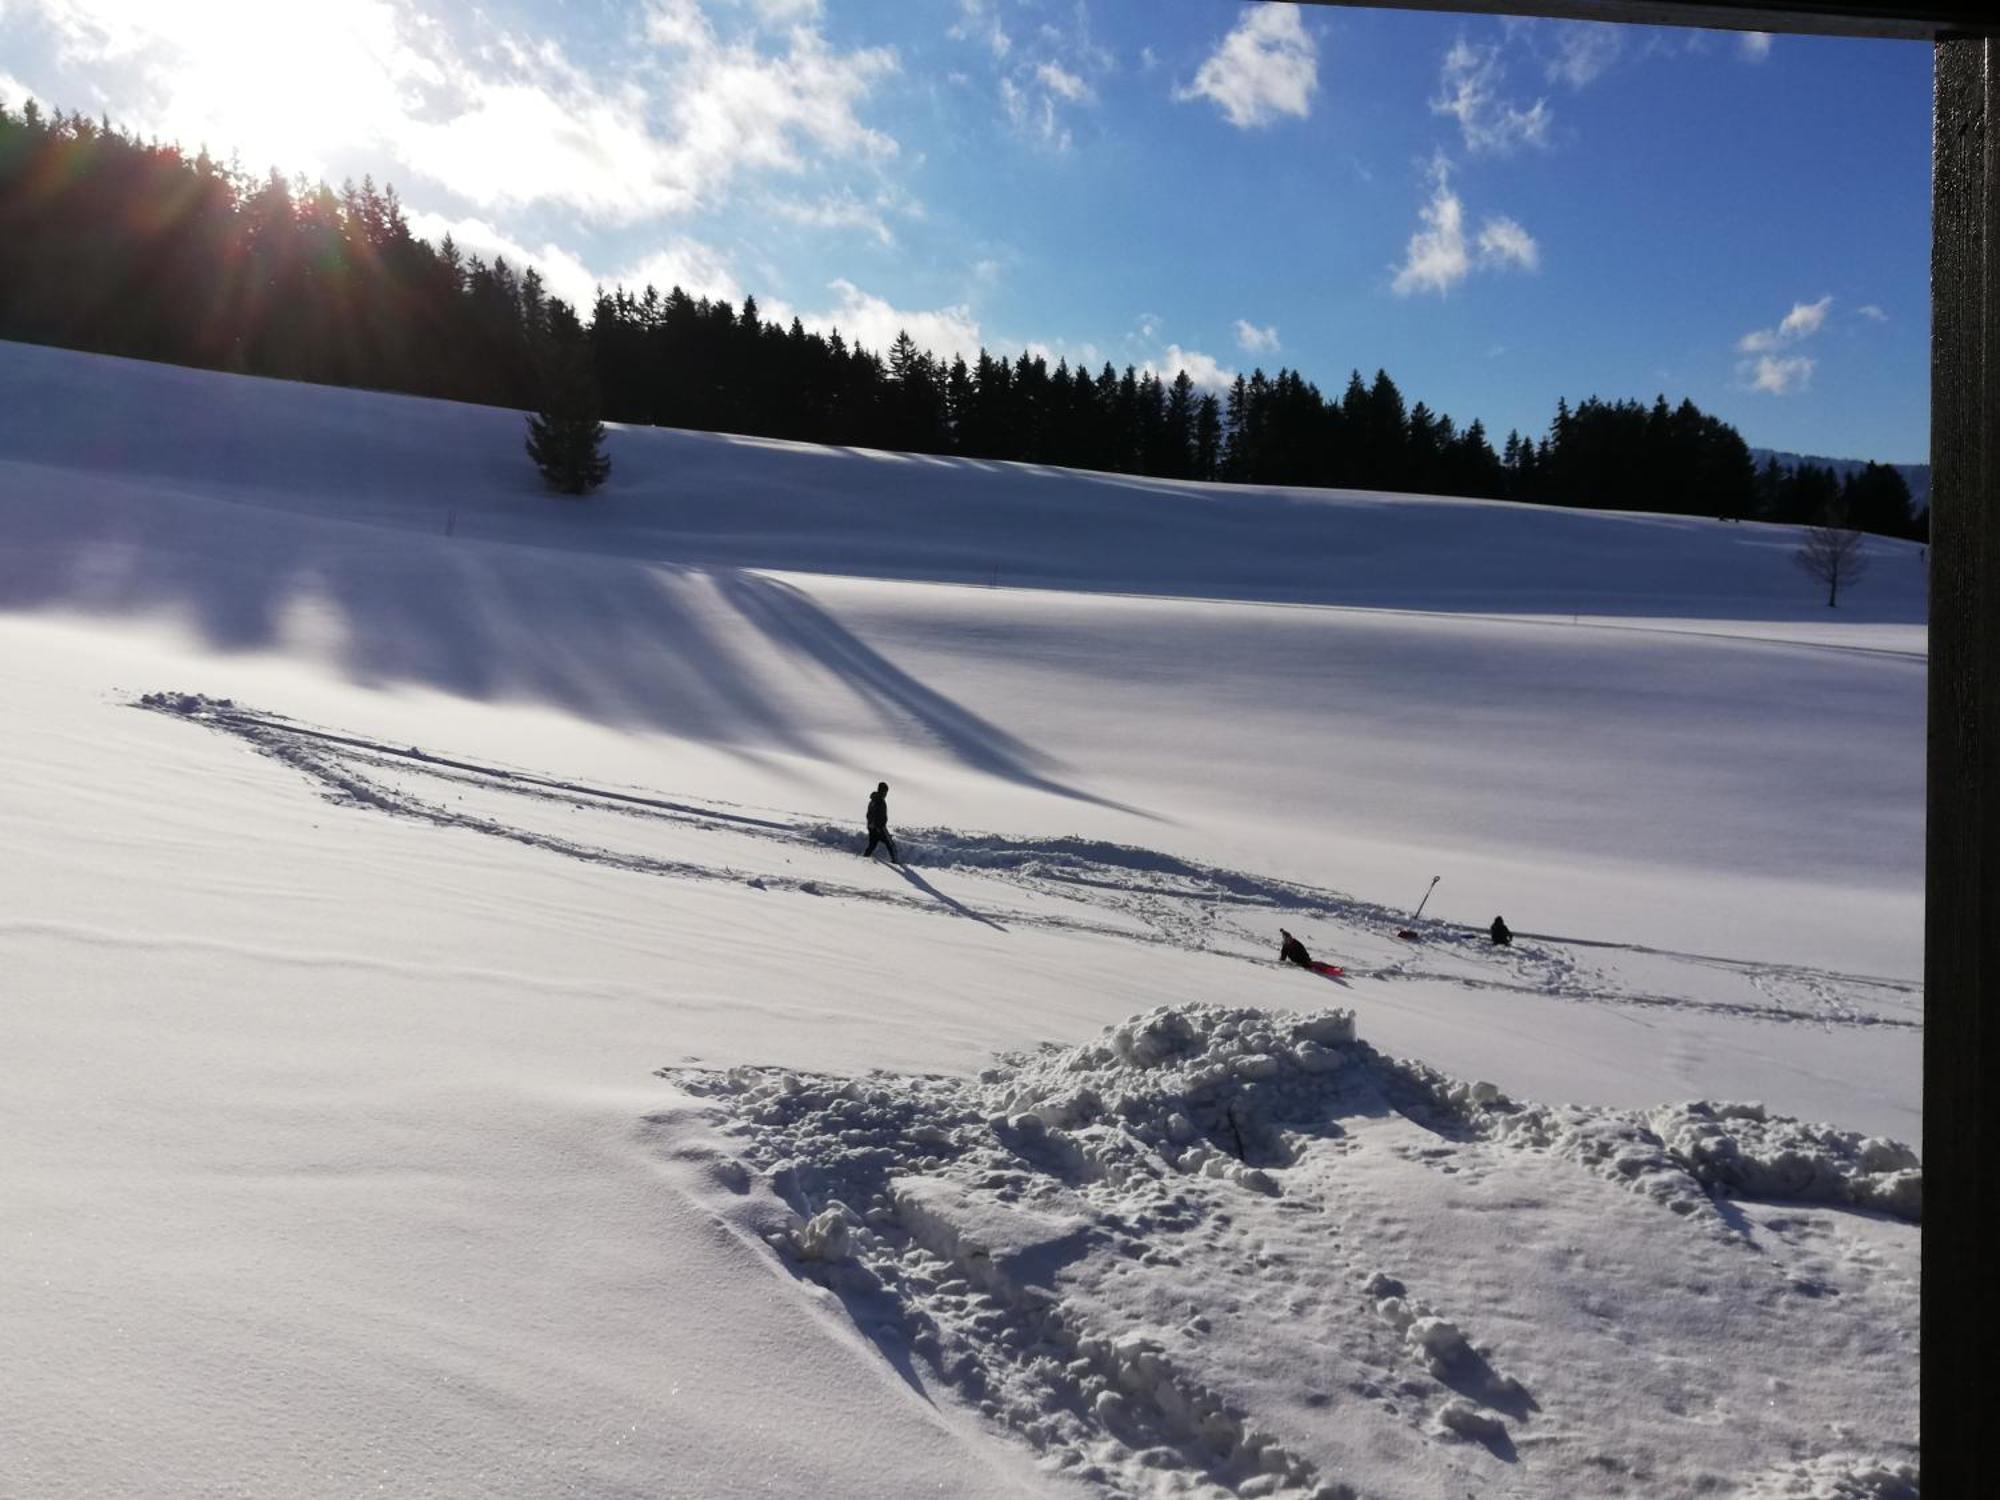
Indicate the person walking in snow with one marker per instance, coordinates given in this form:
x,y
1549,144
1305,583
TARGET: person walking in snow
x,y
1502,936
878,824
1292,951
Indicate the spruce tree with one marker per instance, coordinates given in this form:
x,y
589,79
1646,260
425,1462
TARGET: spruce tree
x,y
1177,428
1878,499
1236,447
565,438
1207,437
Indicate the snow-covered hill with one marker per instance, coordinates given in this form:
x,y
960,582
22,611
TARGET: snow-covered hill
x,y
439,974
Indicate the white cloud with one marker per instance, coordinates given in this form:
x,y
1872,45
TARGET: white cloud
x,y
1204,370
14,93
696,268
732,107
1438,256
1033,115
873,323
1267,67
1255,340
979,21
1470,92
1804,320
1048,76
1083,357
1149,325
841,210
1872,313
495,120
1064,84
514,143
785,12
564,273
1779,375
1502,242
1753,46
1585,51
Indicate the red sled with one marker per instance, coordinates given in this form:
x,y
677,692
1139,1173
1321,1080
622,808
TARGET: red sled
x,y
1331,971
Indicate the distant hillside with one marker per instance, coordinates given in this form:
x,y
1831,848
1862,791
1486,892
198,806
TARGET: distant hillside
x,y
151,451
1916,476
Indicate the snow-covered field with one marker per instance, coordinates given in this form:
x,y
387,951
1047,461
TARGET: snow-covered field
x,y
449,1047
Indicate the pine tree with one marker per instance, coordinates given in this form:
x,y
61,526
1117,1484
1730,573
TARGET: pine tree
x,y
565,438
1236,447
958,403
1878,499
1177,428
1207,436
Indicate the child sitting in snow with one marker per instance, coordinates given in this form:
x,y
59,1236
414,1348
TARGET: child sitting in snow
x,y
1292,951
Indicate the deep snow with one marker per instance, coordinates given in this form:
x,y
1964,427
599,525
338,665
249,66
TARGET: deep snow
x,y
337,1156
1078,1239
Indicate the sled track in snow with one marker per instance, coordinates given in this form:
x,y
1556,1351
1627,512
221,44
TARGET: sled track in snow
x,y
1144,895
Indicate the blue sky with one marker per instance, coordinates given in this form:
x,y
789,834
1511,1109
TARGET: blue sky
x,y
1497,211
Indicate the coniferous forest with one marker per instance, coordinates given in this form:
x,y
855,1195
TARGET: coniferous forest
x,y
122,246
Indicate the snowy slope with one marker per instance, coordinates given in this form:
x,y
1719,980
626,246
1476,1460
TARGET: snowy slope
x,y
711,499
338,1154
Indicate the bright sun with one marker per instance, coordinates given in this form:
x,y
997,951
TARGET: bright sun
x,y
279,83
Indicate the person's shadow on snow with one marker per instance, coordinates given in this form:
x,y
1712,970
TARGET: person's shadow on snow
x,y
950,901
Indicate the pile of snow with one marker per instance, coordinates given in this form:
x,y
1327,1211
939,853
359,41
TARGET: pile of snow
x,y
1049,1240
1745,1151
1836,1478
1675,1151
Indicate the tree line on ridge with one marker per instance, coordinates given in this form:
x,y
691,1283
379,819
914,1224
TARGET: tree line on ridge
x,y
122,246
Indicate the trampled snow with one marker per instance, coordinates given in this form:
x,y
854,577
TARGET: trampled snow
x,y
450,1045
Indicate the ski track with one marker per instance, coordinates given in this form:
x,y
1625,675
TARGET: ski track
x,y
1072,1244
1143,895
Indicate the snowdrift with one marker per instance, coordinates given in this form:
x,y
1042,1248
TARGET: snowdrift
x,y
1179,1255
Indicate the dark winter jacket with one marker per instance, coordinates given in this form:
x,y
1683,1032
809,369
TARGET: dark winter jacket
x,y
1292,951
878,813
1501,933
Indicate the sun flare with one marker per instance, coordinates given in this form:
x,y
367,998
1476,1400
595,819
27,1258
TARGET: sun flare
x,y
285,85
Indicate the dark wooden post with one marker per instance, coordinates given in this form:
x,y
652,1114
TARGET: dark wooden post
x,y
1962,921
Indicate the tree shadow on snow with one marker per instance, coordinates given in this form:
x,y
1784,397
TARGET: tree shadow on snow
x,y
790,619
616,640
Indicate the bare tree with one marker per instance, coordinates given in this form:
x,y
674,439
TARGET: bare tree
x,y
1832,553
